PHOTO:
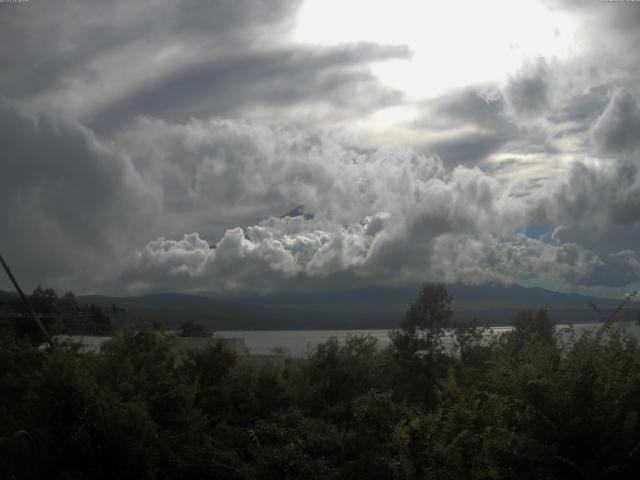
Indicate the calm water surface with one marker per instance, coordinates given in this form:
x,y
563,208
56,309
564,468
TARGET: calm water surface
x,y
300,342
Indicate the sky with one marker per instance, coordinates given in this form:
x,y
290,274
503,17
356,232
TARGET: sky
x,y
159,145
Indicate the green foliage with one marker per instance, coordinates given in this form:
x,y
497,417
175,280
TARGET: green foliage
x,y
418,344
529,328
532,404
61,315
425,321
192,329
472,342
336,373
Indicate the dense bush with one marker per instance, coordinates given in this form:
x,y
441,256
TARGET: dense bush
x,y
533,403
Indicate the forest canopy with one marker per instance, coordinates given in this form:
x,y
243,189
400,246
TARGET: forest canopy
x,y
536,402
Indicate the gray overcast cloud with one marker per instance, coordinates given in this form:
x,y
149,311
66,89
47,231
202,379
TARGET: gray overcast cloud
x,y
155,145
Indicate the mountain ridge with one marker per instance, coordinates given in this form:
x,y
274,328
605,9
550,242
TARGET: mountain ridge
x,y
373,307
357,308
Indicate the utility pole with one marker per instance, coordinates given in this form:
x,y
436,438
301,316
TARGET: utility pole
x,y
33,312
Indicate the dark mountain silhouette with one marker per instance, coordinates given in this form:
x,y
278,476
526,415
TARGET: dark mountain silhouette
x,y
375,307
173,308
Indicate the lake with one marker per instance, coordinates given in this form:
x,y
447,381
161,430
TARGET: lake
x,y
299,342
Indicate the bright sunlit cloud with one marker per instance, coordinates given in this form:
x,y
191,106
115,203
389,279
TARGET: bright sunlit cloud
x,y
453,43
468,141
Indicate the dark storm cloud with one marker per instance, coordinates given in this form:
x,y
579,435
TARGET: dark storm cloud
x,y
273,78
466,106
104,63
223,16
598,195
479,105
47,43
65,199
469,149
474,123
615,238
617,130
623,16
484,127
598,207
582,109
527,93
619,269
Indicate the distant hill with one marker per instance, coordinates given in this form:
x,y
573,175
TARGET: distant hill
x,y
172,308
376,307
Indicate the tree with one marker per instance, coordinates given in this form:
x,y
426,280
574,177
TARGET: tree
x,y
44,300
68,304
425,321
337,372
530,328
468,340
99,322
430,311
192,329
418,344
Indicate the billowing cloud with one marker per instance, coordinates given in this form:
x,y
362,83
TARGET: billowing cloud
x,y
258,259
155,145
278,251
391,214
